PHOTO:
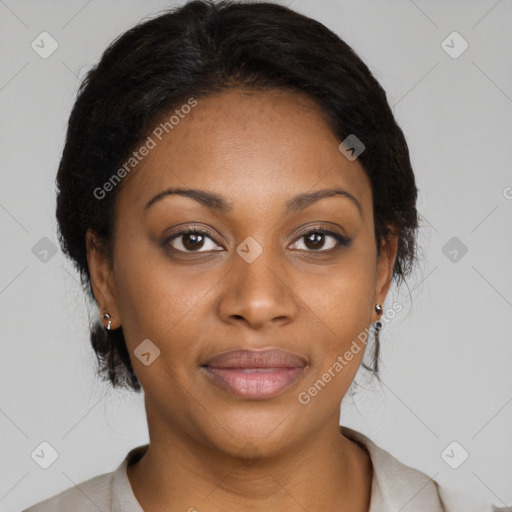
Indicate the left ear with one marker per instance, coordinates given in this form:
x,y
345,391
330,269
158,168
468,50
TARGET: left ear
x,y
385,264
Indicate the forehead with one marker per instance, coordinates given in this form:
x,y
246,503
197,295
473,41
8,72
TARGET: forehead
x,y
265,144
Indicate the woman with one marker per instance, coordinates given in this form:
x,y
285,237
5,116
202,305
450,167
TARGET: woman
x,y
238,198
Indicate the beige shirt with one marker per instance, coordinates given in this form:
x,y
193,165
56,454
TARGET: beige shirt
x,y
395,487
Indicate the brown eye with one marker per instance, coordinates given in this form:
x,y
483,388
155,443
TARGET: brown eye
x,y
314,241
320,240
192,241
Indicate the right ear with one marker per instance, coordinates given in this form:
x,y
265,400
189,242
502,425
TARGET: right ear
x,y
102,277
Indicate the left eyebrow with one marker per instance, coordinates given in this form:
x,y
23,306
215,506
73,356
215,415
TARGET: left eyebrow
x,y
304,200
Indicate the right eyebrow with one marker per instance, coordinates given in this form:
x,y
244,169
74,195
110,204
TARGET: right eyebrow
x,y
208,199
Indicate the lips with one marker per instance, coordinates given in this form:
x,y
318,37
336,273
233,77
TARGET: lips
x,y
253,374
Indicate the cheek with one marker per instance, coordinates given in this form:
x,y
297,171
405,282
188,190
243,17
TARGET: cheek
x,y
154,298
341,301
341,305
341,296
158,305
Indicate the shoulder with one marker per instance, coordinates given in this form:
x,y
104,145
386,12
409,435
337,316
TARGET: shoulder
x,y
89,496
396,486
106,492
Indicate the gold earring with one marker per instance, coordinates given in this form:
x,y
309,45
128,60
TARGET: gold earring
x,y
378,309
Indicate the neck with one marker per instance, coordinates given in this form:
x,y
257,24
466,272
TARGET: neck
x,y
325,472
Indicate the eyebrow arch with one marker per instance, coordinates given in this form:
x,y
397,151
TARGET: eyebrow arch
x,y
208,199
304,200
217,202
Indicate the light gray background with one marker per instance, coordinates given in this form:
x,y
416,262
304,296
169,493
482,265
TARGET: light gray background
x,y
446,360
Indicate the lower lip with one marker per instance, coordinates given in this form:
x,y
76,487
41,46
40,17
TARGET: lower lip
x,y
255,383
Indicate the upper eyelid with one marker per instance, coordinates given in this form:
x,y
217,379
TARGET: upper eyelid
x,y
188,230
341,240
322,229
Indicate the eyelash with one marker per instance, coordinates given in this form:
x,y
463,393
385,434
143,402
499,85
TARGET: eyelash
x,y
341,241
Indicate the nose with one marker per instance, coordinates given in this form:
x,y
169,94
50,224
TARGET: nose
x,y
258,293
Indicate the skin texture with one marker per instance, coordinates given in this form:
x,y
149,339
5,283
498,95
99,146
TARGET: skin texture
x,y
209,449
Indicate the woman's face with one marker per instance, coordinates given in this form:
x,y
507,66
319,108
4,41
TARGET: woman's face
x,y
261,169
